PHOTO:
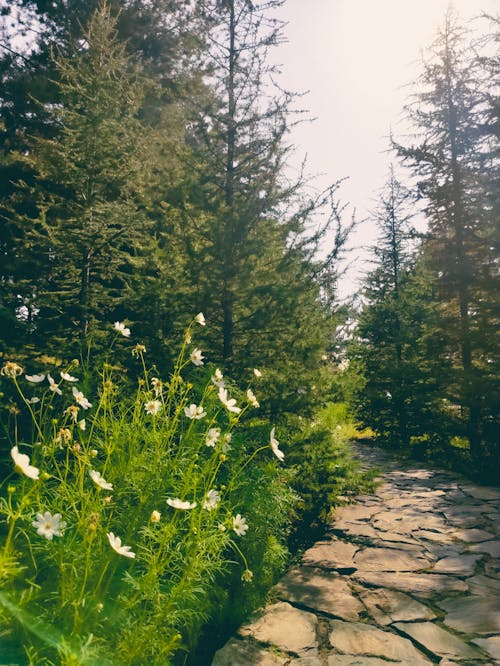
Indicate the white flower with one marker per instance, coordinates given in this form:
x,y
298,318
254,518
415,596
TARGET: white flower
x,y
99,481
157,385
194,412
53,385
230,405
211,500
200,319
35,379
196,357
222,528
155,516
217,379
225,447
67,377
116,544
11,369
80,398
152,407
247,576
274,445
82,424
49,525
120,327
34,400
257,373
240,525
177,503
212,436
252,399
22,463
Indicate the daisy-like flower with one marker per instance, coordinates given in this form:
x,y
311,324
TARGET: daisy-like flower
x,y
81,399
200,319
22,463
99,480
11,369
240,526
152,407
194,412
225,446
247,576
275,446
82,424
121,328
229,404
177,503
213,435
63,436
67,377
53,385
196,357
116,544
252,399
217,379
49,525
72,412
157,385
35,379
155,516
257,373
34,400
212,498
138,350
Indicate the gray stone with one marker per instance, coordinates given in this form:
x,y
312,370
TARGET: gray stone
x,y
388,559
490,645
482,492
330,555
490,547
323,592
355,529
492,568
306,661
421,585
472,615
437,640
484,586
285,627
351,660
388,606
355,512
362,639
461,565
473,536
243,653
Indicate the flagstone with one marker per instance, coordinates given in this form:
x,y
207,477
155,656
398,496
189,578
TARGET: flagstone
x,y
490,547
482,492
362,639
321,591
437,640
388,559
472,615
490,645
473,536
284,626
388,606
460,565
421,585
332,554
484,586
351,660
242,653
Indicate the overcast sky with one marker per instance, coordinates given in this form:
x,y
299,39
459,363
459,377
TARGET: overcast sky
x,y
356,57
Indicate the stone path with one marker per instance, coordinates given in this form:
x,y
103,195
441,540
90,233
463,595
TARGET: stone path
x,y
409,575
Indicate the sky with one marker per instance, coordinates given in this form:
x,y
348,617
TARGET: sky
x,y
356,59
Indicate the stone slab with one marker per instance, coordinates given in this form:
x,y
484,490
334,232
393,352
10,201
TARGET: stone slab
x,y
320,591
437,640
473,535
460,565
388,606
490,645
388,559
490,547
332,554
351,660
362,639
482,492
421,585
484,586
284,626
472,615
242,653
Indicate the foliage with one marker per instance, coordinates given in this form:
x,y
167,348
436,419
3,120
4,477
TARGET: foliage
x,y
127,510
